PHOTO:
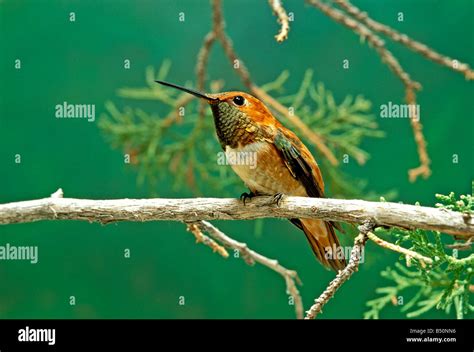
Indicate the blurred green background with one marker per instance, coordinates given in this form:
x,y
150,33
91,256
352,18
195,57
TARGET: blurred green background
x,y
82,62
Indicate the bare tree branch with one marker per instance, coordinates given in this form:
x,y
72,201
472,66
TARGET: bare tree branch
x,y
387,57
410,43
202,59
193,209
250,257
373,39
344,274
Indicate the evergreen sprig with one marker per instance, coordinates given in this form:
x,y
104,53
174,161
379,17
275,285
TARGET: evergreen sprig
x,y
444,285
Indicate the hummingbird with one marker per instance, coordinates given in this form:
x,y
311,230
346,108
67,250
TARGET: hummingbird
x,y
284,166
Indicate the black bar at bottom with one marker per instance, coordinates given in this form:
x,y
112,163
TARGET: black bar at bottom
x,y
334,335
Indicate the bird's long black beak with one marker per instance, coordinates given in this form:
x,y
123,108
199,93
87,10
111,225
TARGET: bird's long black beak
x,y
190,91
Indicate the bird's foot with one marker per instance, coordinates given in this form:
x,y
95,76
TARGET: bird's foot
x,y
244,196
276,199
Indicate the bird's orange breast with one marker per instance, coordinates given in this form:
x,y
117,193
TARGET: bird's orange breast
x,y
265,173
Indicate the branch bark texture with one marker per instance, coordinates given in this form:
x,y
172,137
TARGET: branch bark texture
x,y
194,209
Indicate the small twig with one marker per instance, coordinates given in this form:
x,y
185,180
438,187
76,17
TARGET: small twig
x,y
236,62
462,246
410,43
58,194
251,257
283,20
201,65
396,248
424,168
344,274
202,238
202,59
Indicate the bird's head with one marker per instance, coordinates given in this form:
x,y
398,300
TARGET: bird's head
x,y
230,106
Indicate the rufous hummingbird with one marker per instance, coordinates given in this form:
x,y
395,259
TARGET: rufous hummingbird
x,y
284,165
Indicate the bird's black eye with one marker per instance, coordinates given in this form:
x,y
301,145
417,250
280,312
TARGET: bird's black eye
x,y
239,100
